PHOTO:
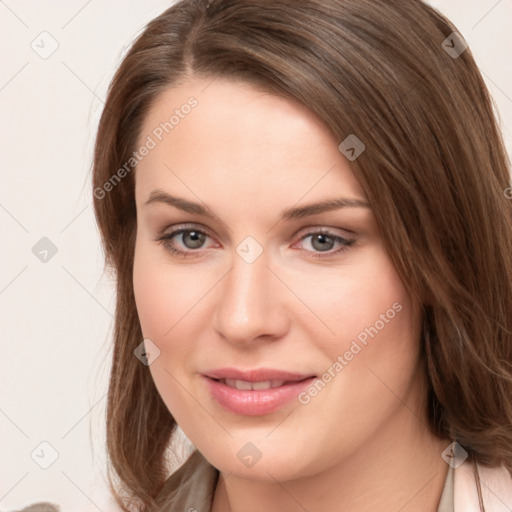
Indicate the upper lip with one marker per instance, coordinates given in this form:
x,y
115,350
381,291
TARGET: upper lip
x,y
256,375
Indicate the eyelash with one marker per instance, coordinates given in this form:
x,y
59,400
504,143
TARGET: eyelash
x,y
191,253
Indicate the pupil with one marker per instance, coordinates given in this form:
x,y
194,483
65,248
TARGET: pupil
x,y
322,239
196,237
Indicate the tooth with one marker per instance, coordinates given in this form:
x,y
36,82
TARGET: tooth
x,y
247,386
242,385
262,385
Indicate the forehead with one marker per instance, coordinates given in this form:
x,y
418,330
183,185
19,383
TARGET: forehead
x,y
223,137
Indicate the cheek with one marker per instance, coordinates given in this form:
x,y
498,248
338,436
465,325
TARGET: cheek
x,y
371,363
171,303
356,301
376,341
164,300
163,295
383,324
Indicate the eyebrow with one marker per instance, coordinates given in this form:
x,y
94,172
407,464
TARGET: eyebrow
x,y
299,212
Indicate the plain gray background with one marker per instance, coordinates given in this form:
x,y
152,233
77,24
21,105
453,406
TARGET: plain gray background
x,y
56,315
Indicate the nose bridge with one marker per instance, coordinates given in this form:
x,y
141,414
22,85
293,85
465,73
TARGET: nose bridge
x,y
248,305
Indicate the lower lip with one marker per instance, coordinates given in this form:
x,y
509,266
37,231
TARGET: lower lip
x,y
256,403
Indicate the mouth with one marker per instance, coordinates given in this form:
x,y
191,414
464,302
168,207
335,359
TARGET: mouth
x,y
244,385
256,392
257,375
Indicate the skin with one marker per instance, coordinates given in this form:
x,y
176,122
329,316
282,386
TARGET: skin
x,y
362,444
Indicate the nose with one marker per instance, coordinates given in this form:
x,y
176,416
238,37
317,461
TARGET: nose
x,y
251,303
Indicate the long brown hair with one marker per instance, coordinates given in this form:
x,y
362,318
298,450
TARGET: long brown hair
x,y
434,169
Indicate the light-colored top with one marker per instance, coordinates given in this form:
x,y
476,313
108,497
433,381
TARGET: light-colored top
x,y
446,502
191,488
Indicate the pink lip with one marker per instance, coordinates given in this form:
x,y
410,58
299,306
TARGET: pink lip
x,y
255,402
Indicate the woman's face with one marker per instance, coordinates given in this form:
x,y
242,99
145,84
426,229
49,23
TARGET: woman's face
x,y
303,302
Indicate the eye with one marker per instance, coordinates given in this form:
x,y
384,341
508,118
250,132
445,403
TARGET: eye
x,y
191,238
323,240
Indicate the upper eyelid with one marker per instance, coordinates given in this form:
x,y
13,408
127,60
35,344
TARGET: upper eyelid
x,y
188,227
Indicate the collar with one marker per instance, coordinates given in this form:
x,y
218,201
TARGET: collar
x,y
190,488
496,484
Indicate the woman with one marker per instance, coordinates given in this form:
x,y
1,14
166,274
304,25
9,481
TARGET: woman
x,y
305,205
